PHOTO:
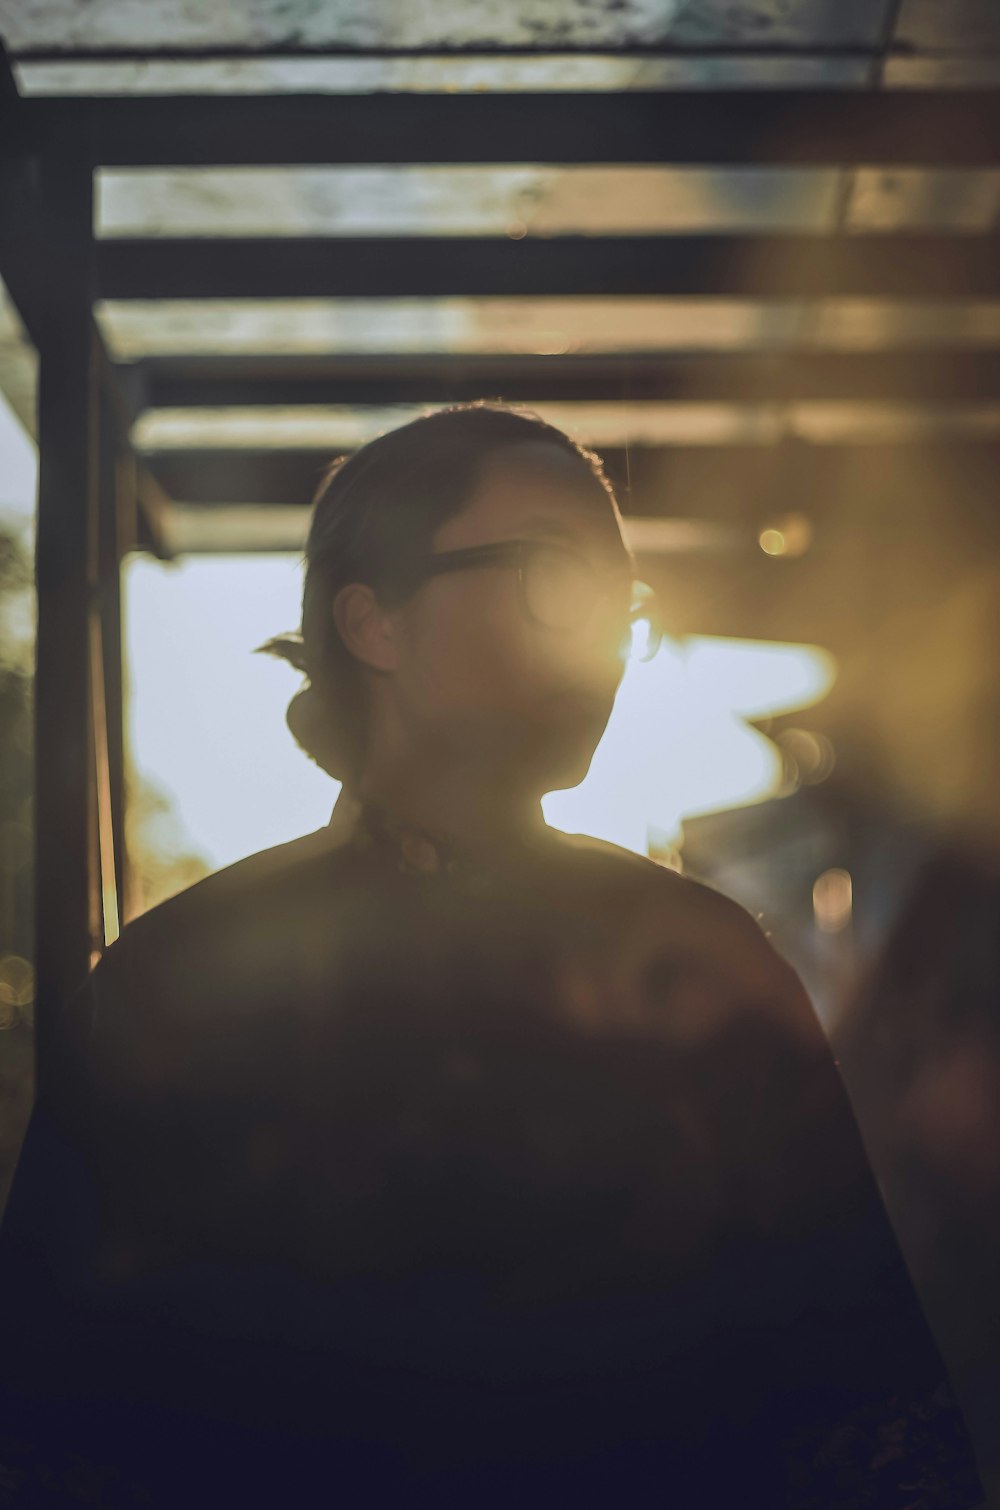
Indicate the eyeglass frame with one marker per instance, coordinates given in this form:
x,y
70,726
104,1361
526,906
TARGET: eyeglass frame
x,y
513,553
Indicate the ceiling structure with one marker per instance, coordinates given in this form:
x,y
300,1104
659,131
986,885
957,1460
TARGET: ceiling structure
x,y
717,241
111,46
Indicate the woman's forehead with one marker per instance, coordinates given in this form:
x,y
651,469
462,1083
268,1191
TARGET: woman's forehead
x,y
534,488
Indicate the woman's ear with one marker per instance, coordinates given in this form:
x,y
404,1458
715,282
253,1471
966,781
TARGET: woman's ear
x,y
365,627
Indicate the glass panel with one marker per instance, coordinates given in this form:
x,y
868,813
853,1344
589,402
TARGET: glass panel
x,y
219,528
426,201
336,428
924,199
961,25
872,324
228,528
271,25
834,422
432,75
138,328
604,425
941,73
135,329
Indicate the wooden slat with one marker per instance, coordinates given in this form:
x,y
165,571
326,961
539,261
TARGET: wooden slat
x,y
779,267
405,378
960,127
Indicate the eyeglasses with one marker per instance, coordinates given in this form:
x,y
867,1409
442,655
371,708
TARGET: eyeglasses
x,y
562,590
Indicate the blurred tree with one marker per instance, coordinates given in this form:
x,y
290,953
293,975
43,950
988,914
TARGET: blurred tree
x,y
17,643
161,861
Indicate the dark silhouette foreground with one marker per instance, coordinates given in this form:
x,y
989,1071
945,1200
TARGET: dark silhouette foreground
x,y
374,1171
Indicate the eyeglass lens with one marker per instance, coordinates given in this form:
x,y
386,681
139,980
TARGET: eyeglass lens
x,y
563,591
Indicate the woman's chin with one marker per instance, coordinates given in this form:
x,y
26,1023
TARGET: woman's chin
x,y
564,761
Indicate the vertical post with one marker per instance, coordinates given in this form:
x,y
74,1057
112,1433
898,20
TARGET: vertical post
x,y
68,910
115,536
127,517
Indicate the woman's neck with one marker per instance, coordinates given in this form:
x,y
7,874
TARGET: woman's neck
x,y
453,806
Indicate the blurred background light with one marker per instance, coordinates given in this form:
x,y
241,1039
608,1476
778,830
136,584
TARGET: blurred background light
x,y
811,754
791,535
833,900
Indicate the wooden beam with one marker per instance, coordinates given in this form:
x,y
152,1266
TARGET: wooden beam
x,y
68,902
663,480
154,506
404,378
726,127
757,267
20,262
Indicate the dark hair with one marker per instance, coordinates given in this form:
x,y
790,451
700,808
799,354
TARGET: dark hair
x,y
374,515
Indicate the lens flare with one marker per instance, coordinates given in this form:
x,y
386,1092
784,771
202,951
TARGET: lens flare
x,y
678,743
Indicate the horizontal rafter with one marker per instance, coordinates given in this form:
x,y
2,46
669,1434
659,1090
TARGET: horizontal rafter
x,y
690,126
897,267
733,479
404,378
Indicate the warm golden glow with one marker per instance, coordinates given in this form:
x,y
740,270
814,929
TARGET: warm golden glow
x,y
678,743
17,990
811,756
789,536
833,901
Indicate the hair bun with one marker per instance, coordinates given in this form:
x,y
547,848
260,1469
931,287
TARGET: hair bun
x,y
314,729
288,647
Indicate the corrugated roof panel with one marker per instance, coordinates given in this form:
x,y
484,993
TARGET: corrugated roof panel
x,y
260,25
406,201
956,26
874,324
924,199
222,527
431,75
137,328
954,72
602,424
790,23
342,427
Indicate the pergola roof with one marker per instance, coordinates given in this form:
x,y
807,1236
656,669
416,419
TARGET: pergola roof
x,y
126,45
672,227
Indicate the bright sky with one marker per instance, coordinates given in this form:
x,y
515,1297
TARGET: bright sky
x,y
207,716
18,469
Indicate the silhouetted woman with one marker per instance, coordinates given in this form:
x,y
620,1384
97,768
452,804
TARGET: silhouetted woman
x,y
436,1157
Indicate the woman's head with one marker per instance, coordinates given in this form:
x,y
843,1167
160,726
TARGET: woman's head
x,y
451,665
